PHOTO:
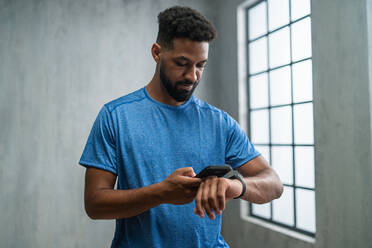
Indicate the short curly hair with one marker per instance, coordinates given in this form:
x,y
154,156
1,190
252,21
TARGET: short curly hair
x,y
183,22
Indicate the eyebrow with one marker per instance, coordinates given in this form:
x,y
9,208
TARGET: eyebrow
x,y
187,59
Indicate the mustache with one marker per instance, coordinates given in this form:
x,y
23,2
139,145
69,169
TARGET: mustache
x,y
186,82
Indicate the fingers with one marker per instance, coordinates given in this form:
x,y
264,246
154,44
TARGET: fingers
x,y
187,177
210,193
191,182
221,195
199,210
210,197
205,199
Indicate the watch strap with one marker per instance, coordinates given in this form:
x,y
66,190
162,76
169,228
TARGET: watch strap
x,y
233,174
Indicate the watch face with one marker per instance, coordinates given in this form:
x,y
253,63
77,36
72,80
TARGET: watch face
x,y
233,174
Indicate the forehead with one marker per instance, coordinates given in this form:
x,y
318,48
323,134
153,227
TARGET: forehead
x,y
193,50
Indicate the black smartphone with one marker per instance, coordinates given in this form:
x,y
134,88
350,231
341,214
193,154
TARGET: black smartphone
x,y
214,170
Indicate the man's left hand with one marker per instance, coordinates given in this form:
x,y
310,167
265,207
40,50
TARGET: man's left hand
x,y
213,193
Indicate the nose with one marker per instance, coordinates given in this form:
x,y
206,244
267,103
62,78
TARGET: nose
x,y
192,74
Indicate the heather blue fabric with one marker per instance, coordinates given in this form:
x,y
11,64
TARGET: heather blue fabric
x,y
142,141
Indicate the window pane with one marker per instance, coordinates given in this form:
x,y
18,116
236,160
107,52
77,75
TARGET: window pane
x,y
260,126
283,207
265,151
304,157
303,81
280,86
303,124
279,47
282,162
301,40
257,21
258,91
262,210
278,13
305,205
281,125
299,8
258,55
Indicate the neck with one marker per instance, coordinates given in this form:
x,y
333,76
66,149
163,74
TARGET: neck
x,y
156,90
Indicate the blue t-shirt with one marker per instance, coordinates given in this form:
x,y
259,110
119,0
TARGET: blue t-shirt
x,y
143,141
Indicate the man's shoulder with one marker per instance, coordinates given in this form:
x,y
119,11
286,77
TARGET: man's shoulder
x,y
135,96
204,106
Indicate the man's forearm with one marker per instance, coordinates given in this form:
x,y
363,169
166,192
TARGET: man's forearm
x,y
118,204
102,201
262,188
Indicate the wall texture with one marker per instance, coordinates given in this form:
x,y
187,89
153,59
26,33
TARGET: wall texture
x,y
342,123
60,61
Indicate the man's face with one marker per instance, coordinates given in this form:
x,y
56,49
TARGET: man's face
x,y
181,68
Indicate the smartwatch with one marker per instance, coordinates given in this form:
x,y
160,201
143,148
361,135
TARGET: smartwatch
x,y
233,174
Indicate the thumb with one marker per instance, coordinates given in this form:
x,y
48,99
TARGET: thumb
x,y
187,171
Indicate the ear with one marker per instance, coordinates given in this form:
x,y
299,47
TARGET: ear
x,y
156,52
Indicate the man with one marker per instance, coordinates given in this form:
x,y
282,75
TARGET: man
x,y
155,139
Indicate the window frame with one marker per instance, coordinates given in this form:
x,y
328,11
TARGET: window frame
x,y
269,108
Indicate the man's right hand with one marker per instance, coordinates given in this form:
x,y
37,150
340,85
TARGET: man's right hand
x,y
180,187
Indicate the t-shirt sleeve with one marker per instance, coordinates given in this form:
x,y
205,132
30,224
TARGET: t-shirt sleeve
x,y
239,149
100,149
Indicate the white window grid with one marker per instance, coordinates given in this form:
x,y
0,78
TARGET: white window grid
x,y
294,136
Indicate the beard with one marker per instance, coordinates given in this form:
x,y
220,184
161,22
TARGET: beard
x,y
174,90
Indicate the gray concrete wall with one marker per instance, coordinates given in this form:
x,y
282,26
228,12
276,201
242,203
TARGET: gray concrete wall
x,y
60,61
342,100
342,123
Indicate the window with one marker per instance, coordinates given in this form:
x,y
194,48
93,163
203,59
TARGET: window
x,y
280,107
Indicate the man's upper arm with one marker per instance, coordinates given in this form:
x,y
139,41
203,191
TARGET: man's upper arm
x,y
254,167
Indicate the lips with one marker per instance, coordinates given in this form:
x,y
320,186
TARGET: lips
x,y
187,87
